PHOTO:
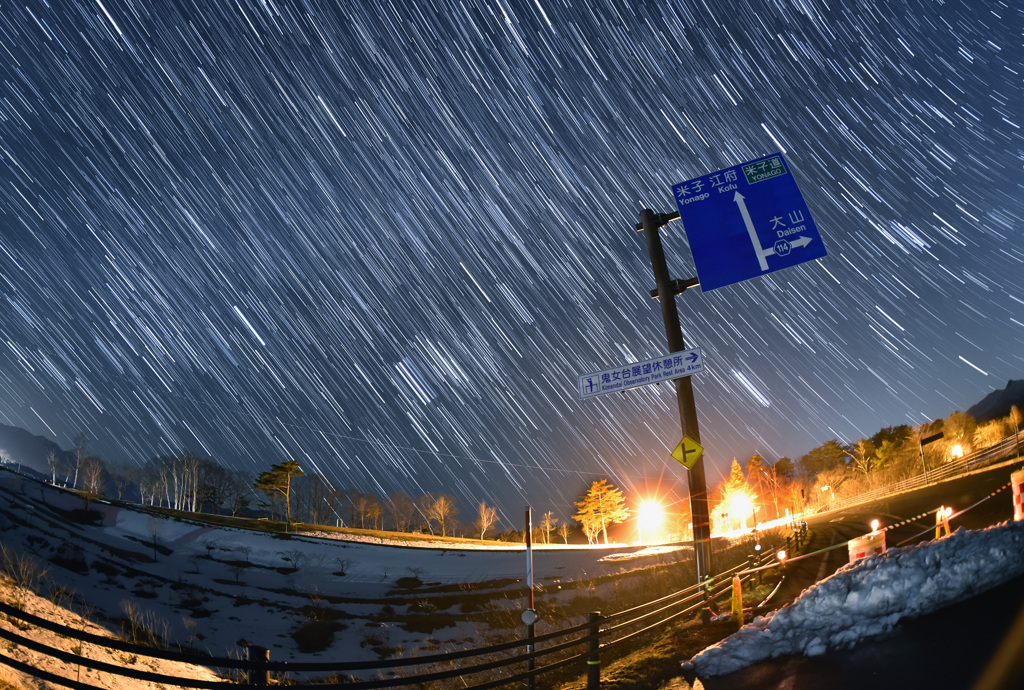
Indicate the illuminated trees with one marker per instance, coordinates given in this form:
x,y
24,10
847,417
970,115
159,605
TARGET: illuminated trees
x,y
959,430
277,483
365,508
486,517
439,508
736,498
1015,418
601,506
547,525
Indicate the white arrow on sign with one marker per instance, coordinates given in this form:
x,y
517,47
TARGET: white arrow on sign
x,y
754,239
781,247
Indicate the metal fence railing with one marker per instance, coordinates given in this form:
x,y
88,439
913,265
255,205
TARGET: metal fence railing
x,y
580,646
948,470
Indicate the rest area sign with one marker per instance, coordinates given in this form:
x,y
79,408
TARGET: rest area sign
x,y
665,368
746,221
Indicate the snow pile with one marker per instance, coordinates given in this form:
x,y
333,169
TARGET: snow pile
x,y
871,596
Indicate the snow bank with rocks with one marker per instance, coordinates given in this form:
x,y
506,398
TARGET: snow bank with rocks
x,y
871,596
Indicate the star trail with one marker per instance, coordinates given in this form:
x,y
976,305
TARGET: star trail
x,y
383,239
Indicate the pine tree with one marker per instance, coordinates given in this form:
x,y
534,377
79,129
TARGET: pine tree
x,y
601,506
278,481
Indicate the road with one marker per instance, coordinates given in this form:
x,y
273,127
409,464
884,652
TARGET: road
x,y
979,500
947,649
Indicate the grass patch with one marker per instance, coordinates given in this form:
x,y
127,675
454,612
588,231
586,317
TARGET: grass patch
x,y
316,636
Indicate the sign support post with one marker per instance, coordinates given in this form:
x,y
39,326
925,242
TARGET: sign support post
x,y
667,290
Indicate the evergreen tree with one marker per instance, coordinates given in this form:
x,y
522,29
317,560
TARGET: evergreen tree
x,y
601,506
277,481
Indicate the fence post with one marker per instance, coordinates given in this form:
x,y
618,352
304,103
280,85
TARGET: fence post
x,y
593,650
257,673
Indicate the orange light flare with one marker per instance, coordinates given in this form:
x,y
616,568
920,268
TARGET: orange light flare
x,y
735,508
956,451
649,519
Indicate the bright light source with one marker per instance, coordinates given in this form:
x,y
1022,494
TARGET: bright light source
x,y
649,517
957,451
948,511
781,555
734,510
874,525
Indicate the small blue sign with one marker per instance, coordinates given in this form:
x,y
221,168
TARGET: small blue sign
x,y
746,221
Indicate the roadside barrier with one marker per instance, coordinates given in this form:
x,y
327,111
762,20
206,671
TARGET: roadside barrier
x,y
582,647
980,458
1017,478
868,545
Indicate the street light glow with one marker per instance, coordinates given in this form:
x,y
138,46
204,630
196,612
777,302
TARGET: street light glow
x,y
648,520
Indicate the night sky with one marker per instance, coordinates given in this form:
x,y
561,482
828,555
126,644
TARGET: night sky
x,y
384,240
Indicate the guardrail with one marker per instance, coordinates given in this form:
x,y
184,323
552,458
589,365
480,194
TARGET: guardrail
x,y
582,646
941,473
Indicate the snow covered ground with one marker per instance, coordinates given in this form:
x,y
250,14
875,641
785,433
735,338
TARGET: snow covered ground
x,y
211,588
871,596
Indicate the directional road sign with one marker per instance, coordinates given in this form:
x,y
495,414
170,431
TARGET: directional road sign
x,y
746,221
688,452
665,368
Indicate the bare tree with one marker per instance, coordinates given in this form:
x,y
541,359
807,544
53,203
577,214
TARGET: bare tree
x,y
91,469
547,525
122,477
563,532
364,507
239,493
442,510
423,507
486,517
316,499
374,512
79,455
55,464
401,510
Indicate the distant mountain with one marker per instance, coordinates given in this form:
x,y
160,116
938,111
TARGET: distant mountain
x,y
997,403
22,448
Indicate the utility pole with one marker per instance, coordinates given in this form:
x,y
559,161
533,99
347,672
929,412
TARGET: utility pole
x,y
667,289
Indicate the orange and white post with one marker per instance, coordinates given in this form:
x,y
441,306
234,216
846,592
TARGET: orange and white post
x,y
737,600
1016,479
942,520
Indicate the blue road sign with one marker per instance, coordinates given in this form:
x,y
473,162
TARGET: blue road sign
x,y
665,368
746,221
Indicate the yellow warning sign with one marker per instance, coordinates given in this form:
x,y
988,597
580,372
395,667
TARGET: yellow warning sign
x,y
688,452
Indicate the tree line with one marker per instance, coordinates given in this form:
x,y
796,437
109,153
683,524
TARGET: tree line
x,y
836,470
759,490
